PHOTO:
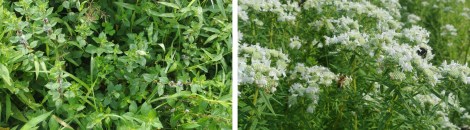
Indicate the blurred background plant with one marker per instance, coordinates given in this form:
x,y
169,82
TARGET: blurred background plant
x,y
378,64
102,64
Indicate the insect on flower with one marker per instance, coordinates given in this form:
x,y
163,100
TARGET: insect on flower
x,y
341,81
422,52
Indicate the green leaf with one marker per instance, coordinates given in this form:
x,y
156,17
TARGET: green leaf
x,y
194,87
133,107
158,14
212,37
36,66
5,74
79,81
161,89
220,4
148,77
191,125
91,49
173,67
170,4
17,114
52,85
167,15
164,80
145,108
66,4
8,107
266,100
126,5
36,120
175,119
214,30
150,32
203,68
53,124
214,57
176,95
163,46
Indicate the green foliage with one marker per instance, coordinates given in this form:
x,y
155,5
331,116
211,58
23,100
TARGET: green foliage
x,y
369,91
433,16
103,64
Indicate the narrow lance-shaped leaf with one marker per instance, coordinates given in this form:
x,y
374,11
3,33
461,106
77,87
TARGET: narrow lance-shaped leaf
x,y
5,74
169,4
126,5
190,125
36,67
31,124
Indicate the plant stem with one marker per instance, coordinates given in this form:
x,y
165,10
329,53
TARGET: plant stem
x,y
256,96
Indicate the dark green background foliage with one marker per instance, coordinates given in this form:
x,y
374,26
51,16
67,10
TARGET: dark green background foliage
x,y
107,64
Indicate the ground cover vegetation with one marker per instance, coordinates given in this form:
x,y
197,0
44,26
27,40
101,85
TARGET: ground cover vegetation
x,y
105,64
360,64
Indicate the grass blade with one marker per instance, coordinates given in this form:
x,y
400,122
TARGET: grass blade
x,y
31,124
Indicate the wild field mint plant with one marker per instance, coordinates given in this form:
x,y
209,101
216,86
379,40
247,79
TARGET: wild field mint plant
x,y
81,64
355,64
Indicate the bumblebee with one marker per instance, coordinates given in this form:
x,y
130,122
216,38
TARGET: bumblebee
x,y
422,52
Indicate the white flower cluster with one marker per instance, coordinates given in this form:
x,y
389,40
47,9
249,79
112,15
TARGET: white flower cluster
x,y
412,18
286,12
444,107
295,42
448,30
392,6
398,75
388,43
416,34
261,66
346,32
404,55
351,39
314,77
466,13
317,4
243,15
457,71
373,97
430,99
413,56
367,8
410,58
344,24
311,92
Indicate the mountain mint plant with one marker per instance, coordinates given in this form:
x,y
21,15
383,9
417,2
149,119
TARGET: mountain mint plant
x,y
105,64
367,64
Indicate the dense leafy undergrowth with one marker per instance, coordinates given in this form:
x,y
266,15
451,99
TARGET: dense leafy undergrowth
x,y
360,64
104,64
